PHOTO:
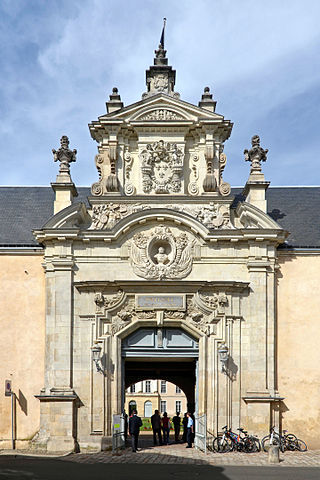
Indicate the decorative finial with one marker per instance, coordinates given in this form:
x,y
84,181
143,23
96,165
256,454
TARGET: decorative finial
x,y
256,154
64,155
114,102
207,101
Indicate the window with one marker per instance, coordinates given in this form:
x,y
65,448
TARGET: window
x,y
163,386
148,387
163,406
178,389
133,388
178,406
132,406
147,408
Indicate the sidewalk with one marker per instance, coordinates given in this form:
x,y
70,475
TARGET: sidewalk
x,y
178,454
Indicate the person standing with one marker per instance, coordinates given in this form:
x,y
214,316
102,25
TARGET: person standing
x,y
176,423
184,423
156,427
135,423
165,421
190,430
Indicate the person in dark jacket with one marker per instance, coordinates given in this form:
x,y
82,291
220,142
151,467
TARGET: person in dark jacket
x,y
135,423
176,423
156,427
184,423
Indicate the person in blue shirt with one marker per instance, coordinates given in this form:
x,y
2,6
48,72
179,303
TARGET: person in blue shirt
x,y
190,430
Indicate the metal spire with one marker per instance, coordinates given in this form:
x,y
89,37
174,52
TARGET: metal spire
x,y
162,34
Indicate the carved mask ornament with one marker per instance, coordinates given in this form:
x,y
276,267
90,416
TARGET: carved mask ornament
x,y
162,168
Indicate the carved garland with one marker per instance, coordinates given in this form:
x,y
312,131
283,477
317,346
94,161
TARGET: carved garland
x,y
105,216
203,311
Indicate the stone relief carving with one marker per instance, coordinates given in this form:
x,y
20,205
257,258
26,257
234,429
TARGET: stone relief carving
x,y
162,114
209,182
212,215
214,301
104,217
129,188
108,301
64,155
123,317
255,155
203,310
162,168
161,255
224,187
105,162
193,187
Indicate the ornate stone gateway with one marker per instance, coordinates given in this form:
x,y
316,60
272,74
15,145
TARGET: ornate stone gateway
x,y
162,264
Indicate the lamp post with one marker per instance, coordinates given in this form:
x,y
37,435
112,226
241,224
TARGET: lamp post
x,y
96,350
223,356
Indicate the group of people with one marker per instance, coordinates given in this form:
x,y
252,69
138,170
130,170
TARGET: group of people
x,y
161,428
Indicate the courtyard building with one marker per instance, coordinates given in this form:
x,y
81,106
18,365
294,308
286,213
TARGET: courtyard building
x,y
151,395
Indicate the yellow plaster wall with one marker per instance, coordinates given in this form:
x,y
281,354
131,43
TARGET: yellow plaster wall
x,y
22,345
299,345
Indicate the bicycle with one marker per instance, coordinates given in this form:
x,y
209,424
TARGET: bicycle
x,y
251,443
229,441
222,443
288,441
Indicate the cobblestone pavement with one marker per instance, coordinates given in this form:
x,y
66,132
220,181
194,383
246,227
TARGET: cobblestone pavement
x,y
178,454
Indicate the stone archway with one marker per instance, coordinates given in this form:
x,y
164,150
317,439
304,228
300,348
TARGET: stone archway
x,y
162,354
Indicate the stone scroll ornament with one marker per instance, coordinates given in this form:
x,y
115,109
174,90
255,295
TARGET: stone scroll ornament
x,y
161,255
64,155
162,168
255,155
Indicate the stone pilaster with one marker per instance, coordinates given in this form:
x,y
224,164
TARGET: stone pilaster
x,y
58,397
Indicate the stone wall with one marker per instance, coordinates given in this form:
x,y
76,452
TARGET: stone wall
x,y
298,345
22,320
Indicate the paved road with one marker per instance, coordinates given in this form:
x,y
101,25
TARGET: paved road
x,y
30,468
160,463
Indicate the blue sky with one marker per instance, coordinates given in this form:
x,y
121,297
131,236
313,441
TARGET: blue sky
x,y
60,59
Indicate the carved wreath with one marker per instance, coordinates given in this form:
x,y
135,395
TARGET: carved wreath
x,y
161,255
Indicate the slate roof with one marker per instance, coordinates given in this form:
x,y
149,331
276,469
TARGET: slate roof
x,y
23,209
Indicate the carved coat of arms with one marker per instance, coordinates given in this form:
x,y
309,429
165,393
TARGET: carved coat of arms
x,y
162,167
161,255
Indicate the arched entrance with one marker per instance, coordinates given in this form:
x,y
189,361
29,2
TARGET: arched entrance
x,y
162,353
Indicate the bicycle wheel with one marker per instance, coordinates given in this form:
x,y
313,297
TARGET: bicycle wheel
x,y
251,445
258,445
221,445
290,444
265,443
301,445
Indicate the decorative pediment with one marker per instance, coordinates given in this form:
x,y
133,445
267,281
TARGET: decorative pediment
x,y
160,105
252,217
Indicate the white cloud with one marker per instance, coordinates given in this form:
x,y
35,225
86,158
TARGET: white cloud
x,y
256,56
